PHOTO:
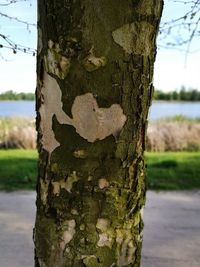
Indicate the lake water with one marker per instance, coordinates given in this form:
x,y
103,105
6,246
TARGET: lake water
x,y
163,109
159,109
17,109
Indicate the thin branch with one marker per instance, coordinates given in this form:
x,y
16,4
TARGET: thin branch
x,y
7,43
12,2
28,24
191,38
16,47
173,32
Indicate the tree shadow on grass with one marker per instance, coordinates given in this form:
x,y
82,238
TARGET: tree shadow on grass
x,y
18,174
173,175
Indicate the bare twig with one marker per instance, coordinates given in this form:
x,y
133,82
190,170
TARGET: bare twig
x,y
7,3
179,33
28,24
8,42
16,47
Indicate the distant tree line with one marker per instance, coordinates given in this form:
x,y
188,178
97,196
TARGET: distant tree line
x,y
11,95
182,95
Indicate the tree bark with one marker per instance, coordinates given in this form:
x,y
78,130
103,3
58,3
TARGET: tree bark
x,y
94,88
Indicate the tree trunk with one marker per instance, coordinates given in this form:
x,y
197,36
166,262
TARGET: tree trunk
x,y
94,89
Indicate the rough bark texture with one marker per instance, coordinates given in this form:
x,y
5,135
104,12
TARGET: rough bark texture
x,y
95,68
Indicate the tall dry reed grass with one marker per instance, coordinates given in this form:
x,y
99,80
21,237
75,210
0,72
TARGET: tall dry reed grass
x,y
161,136
17,133
173,136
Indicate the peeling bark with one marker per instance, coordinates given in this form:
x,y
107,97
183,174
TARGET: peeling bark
x,y
94,89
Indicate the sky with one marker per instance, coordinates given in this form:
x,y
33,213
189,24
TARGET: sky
x,y
175,68
18,71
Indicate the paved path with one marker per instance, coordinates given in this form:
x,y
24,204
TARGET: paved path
x,y
172,230
171,236
17,212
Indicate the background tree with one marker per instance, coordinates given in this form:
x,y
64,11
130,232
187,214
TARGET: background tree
x,y
95,68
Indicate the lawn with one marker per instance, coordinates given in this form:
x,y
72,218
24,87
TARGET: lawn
x,y
18,169
173,170
167,170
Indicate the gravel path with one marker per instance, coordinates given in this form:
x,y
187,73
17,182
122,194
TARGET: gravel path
x,y
171,236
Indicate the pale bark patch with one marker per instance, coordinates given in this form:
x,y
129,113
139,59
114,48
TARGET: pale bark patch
x,y
92,122
82,227
44,185
105,240
134,39
66,184
55,63
80,154
74,212
51,105
92,62
42,264
142,212
126,248
54,167
102,224
69,232
103,183
105,235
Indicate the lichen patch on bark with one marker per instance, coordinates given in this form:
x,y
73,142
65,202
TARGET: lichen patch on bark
x,y
90,260
126,247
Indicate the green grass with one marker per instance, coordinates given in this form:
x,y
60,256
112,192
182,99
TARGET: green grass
x,y
179,118
18,169
173,170
167,170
